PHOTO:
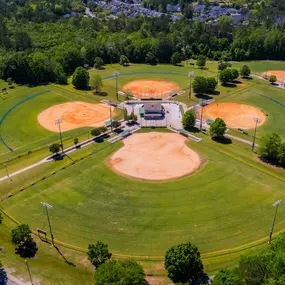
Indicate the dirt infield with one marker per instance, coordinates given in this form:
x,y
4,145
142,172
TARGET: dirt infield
x,y
234,114
144,89
75,115
280,74
155,156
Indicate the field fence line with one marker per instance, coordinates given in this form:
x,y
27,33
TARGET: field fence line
x,y
14,107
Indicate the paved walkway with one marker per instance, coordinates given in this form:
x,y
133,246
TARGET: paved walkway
x,y
8,279
277,84
239,139
51,157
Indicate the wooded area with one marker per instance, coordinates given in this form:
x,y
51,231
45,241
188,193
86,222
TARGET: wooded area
x,y
38,44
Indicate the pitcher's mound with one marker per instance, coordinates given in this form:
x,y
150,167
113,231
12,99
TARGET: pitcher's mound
x,y
74,115
156,89
280,74
234,114
155,156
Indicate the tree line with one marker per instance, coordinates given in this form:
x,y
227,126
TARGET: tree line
x,y
34,50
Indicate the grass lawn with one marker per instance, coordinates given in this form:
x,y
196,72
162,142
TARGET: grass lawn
x,y
204,208
226,204
259,67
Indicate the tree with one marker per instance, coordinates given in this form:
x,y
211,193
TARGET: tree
x,y
95,132
272,79
98,253
127,272
96,83
10,81
278,244
270,146
235,73
151,59
281,154
222,65
201,61
189,119
1,218
211,84
103,129
226,277
23,41
245,71
59,74
199,84
76,141
116,124
21,237
80,78
252,269
98,63
124,61
175,58
183,263
132,118
218,128
225,76
54,148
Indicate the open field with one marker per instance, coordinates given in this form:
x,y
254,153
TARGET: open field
x,y
259,67
225,204
223,194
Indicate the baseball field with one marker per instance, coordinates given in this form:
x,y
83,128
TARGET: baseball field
x,y
221,201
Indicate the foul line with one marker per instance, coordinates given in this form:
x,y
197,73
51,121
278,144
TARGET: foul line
x,y
14,107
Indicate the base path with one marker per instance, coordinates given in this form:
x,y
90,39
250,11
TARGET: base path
x,y
155,156
156,89
280,74
234,114
75,115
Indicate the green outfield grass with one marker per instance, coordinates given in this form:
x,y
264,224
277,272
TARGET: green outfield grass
x,y
231,189
259,67
226,204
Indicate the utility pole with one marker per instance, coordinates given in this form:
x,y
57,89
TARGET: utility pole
x,y
117,74
257,120
276,205
201,118
191,75
48,206
28,268
58,122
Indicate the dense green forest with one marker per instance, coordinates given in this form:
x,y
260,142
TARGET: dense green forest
x,y
37,44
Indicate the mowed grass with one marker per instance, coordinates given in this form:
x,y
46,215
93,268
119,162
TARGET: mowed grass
x,y
226,204
259,67
21,130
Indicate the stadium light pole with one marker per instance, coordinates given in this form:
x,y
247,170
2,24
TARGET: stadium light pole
x,y
111,119
116,74
48,206
257,120
191,75
28,269
58,122
276,205
201,118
